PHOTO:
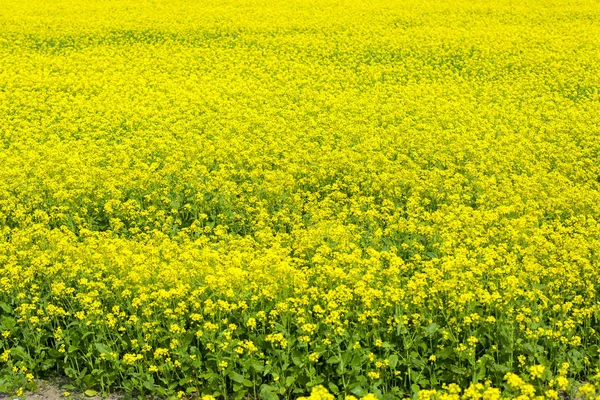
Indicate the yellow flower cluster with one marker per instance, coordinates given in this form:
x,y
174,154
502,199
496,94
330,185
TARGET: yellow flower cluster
x,y
378,199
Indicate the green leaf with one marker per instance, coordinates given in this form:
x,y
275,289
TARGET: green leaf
x,y
90,393
149,385
258,365
7,323
19,352
347,357
184,380
234,376
390,396
431,328
333,360
356,361
102,348
458,370
70,372
393,359
87,334
333,388
239,395
297,360
445,353
358,391
289,381
48,364
5,307
266,393
415,389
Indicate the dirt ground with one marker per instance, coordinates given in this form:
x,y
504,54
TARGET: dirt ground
x,y
47,390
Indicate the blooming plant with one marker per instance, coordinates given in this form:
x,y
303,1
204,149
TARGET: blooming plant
x,y
274,199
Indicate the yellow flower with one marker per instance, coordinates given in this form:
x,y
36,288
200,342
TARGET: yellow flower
x,y
373,374
318,393
586,390
369,396
130,359
562,382
273,183
536,371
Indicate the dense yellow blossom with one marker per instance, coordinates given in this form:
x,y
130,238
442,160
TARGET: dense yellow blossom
x,y
273,199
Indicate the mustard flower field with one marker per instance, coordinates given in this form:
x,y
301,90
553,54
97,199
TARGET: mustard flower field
x,y
327,199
